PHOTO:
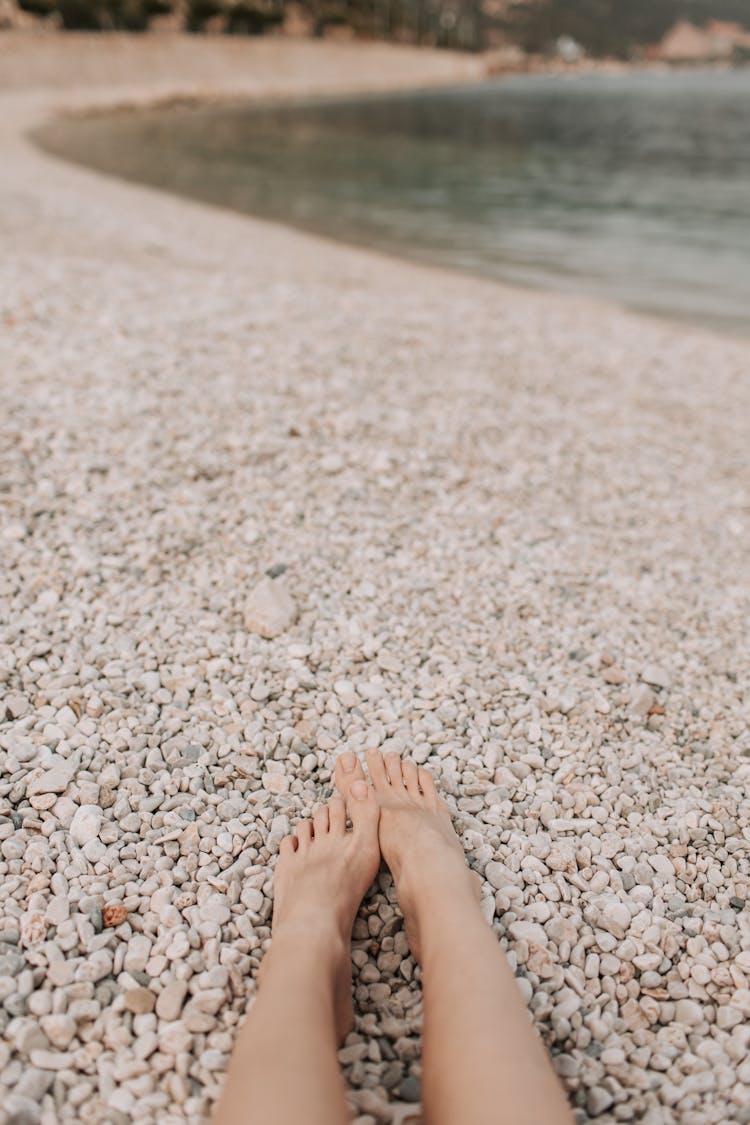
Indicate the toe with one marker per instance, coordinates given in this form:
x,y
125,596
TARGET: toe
x,y
427,785
288,846
336,816
393,768
362,807
304,834
411,779
320,821
376,766
348,768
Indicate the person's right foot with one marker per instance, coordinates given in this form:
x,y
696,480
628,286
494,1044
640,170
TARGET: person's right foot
x,y
416,836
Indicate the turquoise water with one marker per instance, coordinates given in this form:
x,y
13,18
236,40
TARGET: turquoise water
x,y
632,186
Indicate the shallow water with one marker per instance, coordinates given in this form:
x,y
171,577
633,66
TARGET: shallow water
x,y
633,186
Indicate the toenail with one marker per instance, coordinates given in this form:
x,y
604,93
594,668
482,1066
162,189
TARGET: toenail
x,y
359,790
348,761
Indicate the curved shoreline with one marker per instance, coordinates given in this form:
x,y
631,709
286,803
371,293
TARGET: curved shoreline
x,y
468,74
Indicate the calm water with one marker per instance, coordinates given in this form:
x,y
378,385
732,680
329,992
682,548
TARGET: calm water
x,y
634,186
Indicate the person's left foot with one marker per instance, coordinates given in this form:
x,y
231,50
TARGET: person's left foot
x,y
321,878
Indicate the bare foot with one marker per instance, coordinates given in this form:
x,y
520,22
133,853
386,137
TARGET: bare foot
x,y
416,836
321,877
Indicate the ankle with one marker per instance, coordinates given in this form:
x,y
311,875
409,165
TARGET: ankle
x,y
307,968
307,936
425,886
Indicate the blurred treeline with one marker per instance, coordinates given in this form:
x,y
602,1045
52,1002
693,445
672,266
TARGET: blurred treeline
x,y
615,28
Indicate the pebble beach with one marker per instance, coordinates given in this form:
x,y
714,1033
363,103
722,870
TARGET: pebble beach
x,y
265,498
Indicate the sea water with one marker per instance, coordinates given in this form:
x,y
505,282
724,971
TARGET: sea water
x,y
634,186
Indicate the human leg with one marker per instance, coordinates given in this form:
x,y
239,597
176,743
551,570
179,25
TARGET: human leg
x,y
284,1068
483,1062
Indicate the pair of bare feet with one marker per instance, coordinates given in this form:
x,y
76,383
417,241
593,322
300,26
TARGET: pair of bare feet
x,y
325,869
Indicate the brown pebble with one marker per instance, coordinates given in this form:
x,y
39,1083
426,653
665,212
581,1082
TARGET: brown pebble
x,y
113,915
140,1000
614,675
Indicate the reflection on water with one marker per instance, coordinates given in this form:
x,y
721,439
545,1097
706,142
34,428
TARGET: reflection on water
x,y
635,186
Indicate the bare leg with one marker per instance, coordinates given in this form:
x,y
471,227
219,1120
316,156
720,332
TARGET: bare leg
x,y
284,1068
483,1063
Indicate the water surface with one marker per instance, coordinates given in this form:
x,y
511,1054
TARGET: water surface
x,y
632,186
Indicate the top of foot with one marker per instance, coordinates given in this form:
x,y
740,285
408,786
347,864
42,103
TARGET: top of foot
x,y
417,838
324,869
321,878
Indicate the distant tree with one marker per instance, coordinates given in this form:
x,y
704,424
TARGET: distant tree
x,y
603,27
614,28
99,15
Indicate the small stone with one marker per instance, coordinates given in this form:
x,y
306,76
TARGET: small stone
x,y
614,917
253,899
60,1030
598,1100
213,1060
688,1013
498,875
55,778
33,928
641,701
275,782
209,1000
657,677
51,1060
662,865
196,1020
279,829
531,932
728,1017
174,1038
94,851
614,675
44,802
170,1000
58,911
28,1036
410,1090
140,1000
113,915
270,609
85,825
61,973
138,953
21,1110
215,909
145,1044
150,682
347,693
34,1083
17,705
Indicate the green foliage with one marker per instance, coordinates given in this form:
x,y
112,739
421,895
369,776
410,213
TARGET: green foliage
x,y
614,27
99,15
235,17
250,19
603,27
199,12
38,7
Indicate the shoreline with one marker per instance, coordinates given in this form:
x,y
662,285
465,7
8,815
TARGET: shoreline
x,y
512,529
461,71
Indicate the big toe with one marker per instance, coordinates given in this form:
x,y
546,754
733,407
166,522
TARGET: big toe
x,y
363,809
348,769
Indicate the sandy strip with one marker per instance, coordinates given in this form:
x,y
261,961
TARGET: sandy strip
x,y
514,529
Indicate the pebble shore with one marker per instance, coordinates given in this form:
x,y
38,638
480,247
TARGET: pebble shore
x,y
265,499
